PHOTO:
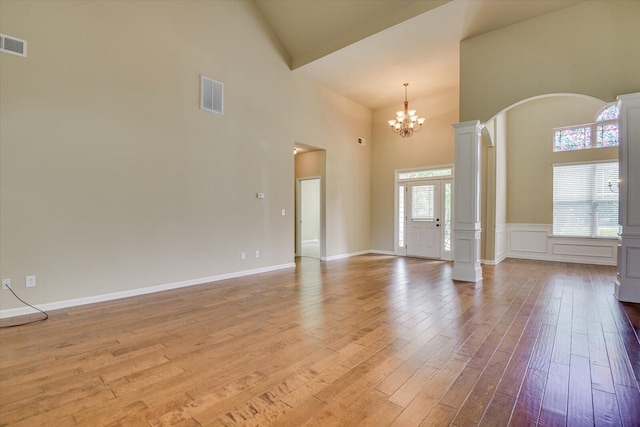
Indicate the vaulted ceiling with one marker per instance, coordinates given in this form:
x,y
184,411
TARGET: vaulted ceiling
x,y
366,49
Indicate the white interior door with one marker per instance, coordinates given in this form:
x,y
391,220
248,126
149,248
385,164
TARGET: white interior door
x,y
309,217
423,225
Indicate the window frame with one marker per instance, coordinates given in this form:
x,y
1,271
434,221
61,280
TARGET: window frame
x,y
592,202
593,129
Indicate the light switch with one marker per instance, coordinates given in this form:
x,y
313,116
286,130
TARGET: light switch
x,y
283,212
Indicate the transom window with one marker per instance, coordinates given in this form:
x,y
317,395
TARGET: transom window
x,y
602,133
424,173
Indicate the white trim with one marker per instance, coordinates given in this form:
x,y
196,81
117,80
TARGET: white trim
x,y
500,243
341,256
586,162
379,252
398,250
140,291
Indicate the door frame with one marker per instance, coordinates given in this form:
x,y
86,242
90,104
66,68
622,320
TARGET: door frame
x,y
299,180
402,251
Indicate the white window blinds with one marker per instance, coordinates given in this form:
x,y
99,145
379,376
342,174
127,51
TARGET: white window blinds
x,y
585,199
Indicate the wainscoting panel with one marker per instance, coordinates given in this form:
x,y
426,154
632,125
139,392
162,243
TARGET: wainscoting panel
x,y
528,239
633,266
535,241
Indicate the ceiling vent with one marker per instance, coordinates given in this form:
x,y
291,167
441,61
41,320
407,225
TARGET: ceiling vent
x,y
13,45
211,92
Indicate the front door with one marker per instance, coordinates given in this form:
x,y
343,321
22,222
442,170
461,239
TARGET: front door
x,y
424,225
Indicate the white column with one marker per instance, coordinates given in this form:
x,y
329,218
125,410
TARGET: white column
x,y
466,191
628,276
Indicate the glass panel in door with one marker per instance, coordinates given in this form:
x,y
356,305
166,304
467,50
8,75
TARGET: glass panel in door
x,y
423,231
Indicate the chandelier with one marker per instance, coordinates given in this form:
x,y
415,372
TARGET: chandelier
x,y
406,121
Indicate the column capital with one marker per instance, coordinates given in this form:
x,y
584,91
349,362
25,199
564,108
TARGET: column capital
x,y
629,97
470,123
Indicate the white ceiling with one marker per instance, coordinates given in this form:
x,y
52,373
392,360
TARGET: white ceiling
x,y
366,49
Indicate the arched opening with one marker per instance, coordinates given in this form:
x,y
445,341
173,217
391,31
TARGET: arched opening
x,y
517,190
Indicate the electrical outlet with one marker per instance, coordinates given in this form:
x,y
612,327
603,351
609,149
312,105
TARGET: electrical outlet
x,y
257,254
6,283
243,255
31,281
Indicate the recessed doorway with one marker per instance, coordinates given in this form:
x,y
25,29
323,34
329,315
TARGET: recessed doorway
x,y
310,226
423,213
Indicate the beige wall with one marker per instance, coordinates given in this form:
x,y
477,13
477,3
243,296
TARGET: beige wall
x,y
310,164
494,186
328,121
433,145
590,48
530,153
501,144
113,179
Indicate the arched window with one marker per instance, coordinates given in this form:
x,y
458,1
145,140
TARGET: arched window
x,y
607,126
602,133
608,112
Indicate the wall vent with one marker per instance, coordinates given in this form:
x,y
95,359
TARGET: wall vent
x,y
13,45
211,93
362,141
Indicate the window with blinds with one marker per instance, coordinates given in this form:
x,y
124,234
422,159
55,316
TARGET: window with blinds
x,y
585,199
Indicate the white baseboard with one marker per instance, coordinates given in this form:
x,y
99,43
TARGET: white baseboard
x,y
341,256
554,258
12,312
494,261
379,252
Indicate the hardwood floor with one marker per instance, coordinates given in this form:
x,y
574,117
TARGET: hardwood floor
x,y
370,340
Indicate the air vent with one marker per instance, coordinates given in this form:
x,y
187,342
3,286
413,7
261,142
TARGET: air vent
x,y
13,45
211,92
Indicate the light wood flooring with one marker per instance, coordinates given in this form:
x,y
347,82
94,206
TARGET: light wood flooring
x,y
370,340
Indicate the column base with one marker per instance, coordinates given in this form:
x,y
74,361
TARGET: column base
x,y
466,272
627,287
